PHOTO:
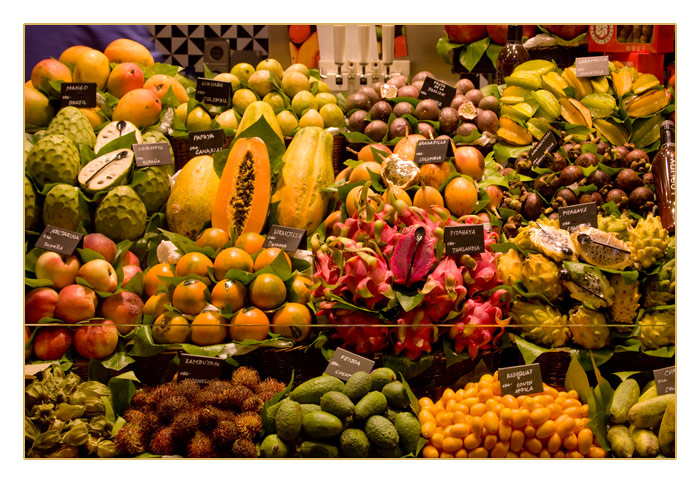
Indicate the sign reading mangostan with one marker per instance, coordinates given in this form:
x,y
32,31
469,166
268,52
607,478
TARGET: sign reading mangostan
x,y
521,380
548,144
152,154
344,364
665,380
438,91
432,151
464,239
200,369
285,238
215,92
58,240
205,142
592,66
78,94
572,216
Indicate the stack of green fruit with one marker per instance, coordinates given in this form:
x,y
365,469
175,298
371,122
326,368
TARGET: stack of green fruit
x,y
641,422
324,417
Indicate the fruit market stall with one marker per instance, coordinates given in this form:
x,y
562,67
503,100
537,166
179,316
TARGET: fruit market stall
x,y
254,264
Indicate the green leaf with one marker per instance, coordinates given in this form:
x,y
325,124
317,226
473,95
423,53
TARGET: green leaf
x,y
220,158
528,350
117,361
451,357
413,400
37,282
443,48
123,389
576,378
136,283
471,54
600,356
408,300
122,142
405,366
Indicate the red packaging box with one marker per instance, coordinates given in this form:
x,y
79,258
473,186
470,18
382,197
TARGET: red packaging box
x,y
644,63
604,38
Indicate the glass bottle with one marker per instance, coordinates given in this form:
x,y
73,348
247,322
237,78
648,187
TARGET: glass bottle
x,y
663,168
512,54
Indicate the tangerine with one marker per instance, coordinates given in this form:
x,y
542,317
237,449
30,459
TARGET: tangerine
x,y
461,196
249,323
152,282
170,328
213,237
251,242
232,258
208,328
267,291
299,289
470,161
267,256
228,293
190,297
193,263
292,321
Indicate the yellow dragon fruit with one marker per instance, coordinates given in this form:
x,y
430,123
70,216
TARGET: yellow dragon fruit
x,y
658,329
510,266
660,289
616,224
589,328
540,323
648,242
625,301
541,275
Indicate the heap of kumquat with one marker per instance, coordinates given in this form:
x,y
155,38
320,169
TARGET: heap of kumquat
x,y
479,422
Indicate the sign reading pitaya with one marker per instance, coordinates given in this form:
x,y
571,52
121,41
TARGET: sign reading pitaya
x,y
464,239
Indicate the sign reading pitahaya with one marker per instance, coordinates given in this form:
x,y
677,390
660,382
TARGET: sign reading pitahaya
x,y
464,239
572,216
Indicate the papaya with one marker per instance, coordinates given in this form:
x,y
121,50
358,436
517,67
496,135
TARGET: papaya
x,y
191,199
307,171
243,198
255,111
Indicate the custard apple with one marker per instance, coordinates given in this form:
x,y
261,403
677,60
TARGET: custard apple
x,y
71,122
32,211
121,215
65,207
53,159
114,130
153,187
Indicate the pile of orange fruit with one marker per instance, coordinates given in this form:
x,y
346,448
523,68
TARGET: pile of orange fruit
x,y
266,304
479,422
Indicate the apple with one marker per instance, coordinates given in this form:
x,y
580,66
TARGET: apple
x,y
123,309
566,32
124,77
97,339
465,34
101,244
27,347
100,274
160,83
39,303
60,269
51,342
75,303
128,272
128,258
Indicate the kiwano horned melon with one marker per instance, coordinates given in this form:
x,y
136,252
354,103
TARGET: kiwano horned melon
x,y
243,198
307,171
191,199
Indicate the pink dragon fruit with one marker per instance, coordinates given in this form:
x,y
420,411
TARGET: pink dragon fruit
x,y
444,290
412,258
358,331
482,270
366,279
416,333
481,323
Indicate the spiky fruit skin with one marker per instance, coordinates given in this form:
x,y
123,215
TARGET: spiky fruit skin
x,y
589,328
249,424
542,324
129,440
153,188
163,442
234,397
65,208
121,215
603,289
244,448
253,404
626,300
541,275
618,225
185,425
658,329
71,122
661,288
481,323
269,385
53,159
648,241
201,446
32,210
510,267
246,376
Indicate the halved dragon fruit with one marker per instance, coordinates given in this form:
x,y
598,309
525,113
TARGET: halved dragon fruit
x,y
413,256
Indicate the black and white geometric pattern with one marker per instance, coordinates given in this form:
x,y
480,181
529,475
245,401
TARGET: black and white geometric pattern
x,y
183,45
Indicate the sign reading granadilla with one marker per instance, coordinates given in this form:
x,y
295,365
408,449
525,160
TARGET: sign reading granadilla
x,y
665,380
58,240
78,94
521,380
344,364
432,151
200,369
464,239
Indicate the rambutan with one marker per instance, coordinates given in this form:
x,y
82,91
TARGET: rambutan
x,y
253,404
158,393
269,385
266,395
140,398
201,446
163,442
234,397
185,424
133,415
206,397
188,389
249,424
129,440
244,448
246,376
208,418
170,406
217,385
225,433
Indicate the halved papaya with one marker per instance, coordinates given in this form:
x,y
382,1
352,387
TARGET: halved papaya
x,y
243,198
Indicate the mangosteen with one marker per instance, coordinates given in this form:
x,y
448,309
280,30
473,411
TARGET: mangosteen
x,y
381,111
370,93
420,76
399,128
554,161
618,197
600,178
448,119
523,165
591,197
427,110
565,197
648,179
402,108
356,121
586,159
618,157
572,150
532,206
475,96
376,130
638,160
427,130
603,148
408,91
510,229
464,85
487,121
457,101
358,100
504,171
627,180
570,175
547,184
642,200
465,129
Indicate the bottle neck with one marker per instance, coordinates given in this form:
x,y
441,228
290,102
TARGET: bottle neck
x,y
515,34
668,136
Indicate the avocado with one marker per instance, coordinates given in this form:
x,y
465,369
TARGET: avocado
x,y
317,449
359,384
354,443
373,403
408,427
381,377
338,404
320,424
396,395
274,447
310,392
288,420
381,432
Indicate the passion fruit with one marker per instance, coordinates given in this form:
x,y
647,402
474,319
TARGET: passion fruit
x,y
489,103
448,119
400,127
358,100
357,121
402,108
408,91
376,130
427,130
464,85
427,110
457,101
487,121
475,96
465,129
381,111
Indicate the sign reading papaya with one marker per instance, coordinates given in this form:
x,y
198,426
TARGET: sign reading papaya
x,y
211,91
665,380
583,214
432,151
58,240
592,66
438,91
152,154
344,364
521,380
285,238
78,94
464,239
200,369
205,142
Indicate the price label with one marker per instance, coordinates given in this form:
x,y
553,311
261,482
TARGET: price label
x,y
572,216
521,380
665,380
199,369
432,151
344,364
78,94
284,237
215,92
592,66
58,240
205,142
438,91
464,239
152,154
548,144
